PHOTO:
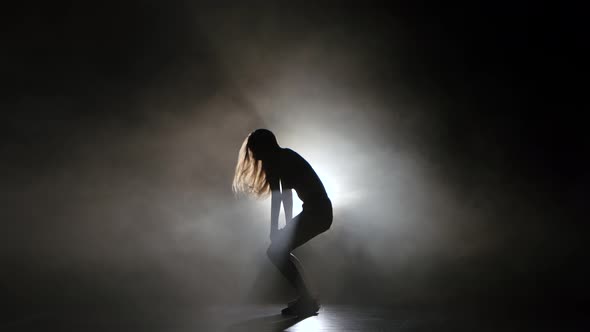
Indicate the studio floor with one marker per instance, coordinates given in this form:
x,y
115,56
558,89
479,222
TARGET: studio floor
x,y
262,318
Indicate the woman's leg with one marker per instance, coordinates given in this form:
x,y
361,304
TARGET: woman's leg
x,y
291,269
300,230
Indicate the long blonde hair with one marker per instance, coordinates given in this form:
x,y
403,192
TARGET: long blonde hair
x,y
250,177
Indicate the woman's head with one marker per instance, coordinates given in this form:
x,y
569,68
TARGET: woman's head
x,y
256,152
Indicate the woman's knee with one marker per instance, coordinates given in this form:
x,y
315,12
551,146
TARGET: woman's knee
x,y
325,226
326,221
276,253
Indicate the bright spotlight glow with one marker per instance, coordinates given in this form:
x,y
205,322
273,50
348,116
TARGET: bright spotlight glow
x,y
334,184
331,161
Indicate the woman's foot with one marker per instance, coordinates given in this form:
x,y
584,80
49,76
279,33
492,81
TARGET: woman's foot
x,y
304,306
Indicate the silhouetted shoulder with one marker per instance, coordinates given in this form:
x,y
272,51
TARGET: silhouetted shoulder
x,y
292,155
289,151
292,159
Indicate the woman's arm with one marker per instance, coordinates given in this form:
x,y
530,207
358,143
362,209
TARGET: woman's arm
x,y
275,206
288,204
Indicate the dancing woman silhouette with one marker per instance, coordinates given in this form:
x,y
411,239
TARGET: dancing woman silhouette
x,y
265,168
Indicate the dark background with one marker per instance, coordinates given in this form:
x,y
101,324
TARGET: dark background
x,y
458,127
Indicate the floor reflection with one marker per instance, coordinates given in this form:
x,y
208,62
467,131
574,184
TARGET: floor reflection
x,y
275,322
313,323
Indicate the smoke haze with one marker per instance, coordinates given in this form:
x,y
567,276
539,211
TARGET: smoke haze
x,y
451,179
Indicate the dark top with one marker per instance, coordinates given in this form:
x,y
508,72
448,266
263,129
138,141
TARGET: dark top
x,y
296,173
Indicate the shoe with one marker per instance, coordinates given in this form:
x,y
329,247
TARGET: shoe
x,y
302,307
290,309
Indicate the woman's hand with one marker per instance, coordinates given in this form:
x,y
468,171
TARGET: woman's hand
x,y
275,204
287,197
